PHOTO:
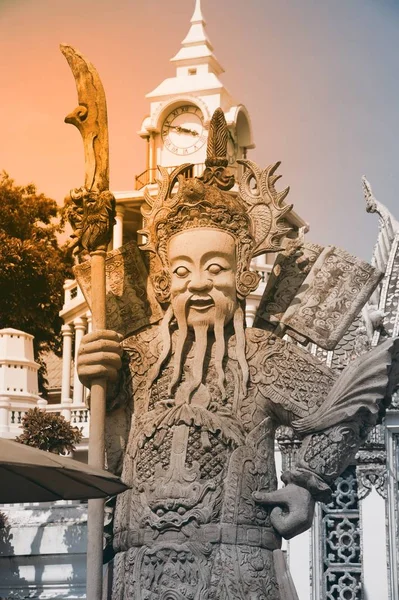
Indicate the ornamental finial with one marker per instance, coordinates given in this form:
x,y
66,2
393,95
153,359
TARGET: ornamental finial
x,y
216,154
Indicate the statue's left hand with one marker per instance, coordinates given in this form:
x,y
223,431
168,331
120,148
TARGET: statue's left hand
x,y
293,509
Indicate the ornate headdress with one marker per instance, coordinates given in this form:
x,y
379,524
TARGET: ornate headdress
x,y
254,216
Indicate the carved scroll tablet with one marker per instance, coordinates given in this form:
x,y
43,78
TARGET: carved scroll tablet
x,y
331,296
283,283
130,300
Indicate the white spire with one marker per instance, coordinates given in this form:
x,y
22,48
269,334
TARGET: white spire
x,y
196,48
197,16
197,68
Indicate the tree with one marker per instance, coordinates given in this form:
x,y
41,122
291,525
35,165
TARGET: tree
x,y
33,266
48,431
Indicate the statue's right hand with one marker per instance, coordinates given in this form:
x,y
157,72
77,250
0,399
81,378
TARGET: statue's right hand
x,y
99,356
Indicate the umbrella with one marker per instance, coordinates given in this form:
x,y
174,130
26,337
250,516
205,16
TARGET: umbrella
x,y
31,475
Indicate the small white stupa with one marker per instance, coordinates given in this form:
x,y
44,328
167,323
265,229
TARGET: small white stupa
x,y
18,378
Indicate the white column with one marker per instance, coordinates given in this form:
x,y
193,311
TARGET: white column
x,y
316,571
66,400
374,545
89,322
151,156
5,406
392,431
118,227
66,410
250,311
80,328
67,333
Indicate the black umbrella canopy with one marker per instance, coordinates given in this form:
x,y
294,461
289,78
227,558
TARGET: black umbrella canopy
x,y
31,475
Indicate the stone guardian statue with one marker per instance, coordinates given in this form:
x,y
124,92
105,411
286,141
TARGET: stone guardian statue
x,y
196,397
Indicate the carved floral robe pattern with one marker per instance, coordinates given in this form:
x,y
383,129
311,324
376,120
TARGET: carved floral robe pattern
x,y
189,527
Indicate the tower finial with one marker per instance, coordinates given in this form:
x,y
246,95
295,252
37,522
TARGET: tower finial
x,y
196,34
196,48
197,16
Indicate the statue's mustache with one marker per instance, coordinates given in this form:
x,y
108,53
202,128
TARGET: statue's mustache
x,y
186,299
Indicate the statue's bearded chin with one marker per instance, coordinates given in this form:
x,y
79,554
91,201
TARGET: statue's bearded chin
x,y
224,310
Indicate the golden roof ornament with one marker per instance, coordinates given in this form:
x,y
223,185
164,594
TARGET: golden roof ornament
x,y
216,154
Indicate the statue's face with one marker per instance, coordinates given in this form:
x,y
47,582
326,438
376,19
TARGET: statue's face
x,y
203,273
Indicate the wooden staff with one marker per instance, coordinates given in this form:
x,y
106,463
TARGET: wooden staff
x,y
92,216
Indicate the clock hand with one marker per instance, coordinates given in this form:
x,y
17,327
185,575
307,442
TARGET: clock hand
x,y
180,129
192,131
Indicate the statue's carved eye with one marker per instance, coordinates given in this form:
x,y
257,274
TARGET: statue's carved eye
x,y
215,269
181,271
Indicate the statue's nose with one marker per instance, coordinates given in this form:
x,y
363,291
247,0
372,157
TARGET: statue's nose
x,y
199,282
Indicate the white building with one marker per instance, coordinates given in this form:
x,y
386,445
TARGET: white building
x,y
42,546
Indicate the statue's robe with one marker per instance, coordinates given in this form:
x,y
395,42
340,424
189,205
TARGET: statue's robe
x,y
189,527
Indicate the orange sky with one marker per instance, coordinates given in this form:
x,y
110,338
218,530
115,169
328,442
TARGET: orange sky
x,y
320,79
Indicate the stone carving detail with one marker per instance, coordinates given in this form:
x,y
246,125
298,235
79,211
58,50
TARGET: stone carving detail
x,y
395,401
131,302
321,452
388,300
341,540
371,471
259,568
216,152
90,209
284,281
388,226
91,215
193,418
331,297
289,445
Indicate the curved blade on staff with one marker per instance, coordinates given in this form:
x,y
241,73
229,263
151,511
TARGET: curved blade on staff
x,y
90,117
91,215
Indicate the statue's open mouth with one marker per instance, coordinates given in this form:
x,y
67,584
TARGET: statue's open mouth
x,y
201,302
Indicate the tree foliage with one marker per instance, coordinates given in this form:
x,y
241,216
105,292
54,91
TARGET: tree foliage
x,y
48,431
33,266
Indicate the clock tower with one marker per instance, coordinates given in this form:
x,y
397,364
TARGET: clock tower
x,y
181,107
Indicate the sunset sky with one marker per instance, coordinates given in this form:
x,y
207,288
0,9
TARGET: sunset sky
x,y
320,79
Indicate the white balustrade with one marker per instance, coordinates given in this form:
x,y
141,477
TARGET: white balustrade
x,y
11,416
4,414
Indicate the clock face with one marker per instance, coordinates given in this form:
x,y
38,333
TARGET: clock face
x,y
183,130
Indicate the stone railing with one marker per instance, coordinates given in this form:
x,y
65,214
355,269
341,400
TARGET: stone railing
x,y
11,417
77,415
80,417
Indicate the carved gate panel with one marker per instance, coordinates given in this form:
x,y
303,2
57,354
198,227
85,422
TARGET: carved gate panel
x,y
341,579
